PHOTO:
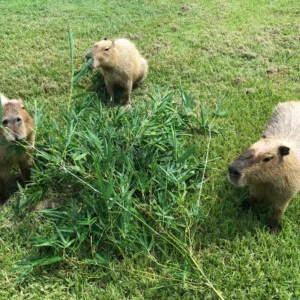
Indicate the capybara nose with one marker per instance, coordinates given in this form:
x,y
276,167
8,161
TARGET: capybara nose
x,y
88,56
233,172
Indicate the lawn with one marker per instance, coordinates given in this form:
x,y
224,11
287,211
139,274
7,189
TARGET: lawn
x,y
136,204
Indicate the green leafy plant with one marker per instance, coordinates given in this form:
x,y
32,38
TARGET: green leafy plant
x,y
122,181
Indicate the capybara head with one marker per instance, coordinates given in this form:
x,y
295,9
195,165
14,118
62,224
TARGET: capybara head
x,y
102,54
262,162
14,117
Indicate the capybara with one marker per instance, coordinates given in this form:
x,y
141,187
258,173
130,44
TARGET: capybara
x,y
271,166
121,65
17,126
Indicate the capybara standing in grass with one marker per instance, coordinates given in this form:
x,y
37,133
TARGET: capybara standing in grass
x,y
17,126
121,65
271,166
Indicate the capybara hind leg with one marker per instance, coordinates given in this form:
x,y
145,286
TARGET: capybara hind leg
x,y
3,191
140,78
127,92
143,72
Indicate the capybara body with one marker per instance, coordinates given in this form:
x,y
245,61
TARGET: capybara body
x,y
17,126
121,65
271,166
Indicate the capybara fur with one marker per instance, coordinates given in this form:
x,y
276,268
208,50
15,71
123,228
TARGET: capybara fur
x,y
17,126
121,65
271,166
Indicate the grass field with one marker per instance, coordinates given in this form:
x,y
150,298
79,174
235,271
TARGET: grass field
x,y
136,204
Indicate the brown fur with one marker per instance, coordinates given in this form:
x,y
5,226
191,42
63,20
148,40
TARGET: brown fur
x,y
17,125
271,166
121,65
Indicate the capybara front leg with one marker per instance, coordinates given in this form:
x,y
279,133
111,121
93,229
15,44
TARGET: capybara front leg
x,y
110,91
250,202
278,211
24,166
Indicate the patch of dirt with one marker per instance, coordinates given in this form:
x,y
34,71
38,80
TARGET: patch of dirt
x,y
185,9
239,80
249,55
272,70
47,204
157,47
277,74
248,91
134,37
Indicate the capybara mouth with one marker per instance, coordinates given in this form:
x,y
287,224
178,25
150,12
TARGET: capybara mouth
x,y
8,139
87,58
233,179
19,139
91,65
14,139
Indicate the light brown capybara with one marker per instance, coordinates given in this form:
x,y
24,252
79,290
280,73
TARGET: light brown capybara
x,y
271,166
17,126
121,65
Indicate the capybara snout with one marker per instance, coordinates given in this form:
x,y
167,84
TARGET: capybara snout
x,y
236,167
14,128
234,173
88,56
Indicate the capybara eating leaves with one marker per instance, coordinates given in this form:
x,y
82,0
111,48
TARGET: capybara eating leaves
x,y
17,126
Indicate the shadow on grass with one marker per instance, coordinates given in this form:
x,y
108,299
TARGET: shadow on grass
x,y
228,219
12,185
98,86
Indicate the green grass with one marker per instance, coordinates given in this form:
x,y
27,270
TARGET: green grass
x,y
174,228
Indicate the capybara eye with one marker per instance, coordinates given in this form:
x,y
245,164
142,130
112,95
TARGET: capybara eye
x,y
106,49
267,159
5,123
19,120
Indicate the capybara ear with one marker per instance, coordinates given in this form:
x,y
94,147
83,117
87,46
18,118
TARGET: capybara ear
x,y
283,150
21,103
3,100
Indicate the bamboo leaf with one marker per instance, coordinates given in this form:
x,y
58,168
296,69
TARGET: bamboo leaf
x,y
82,72
187,153
71,41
